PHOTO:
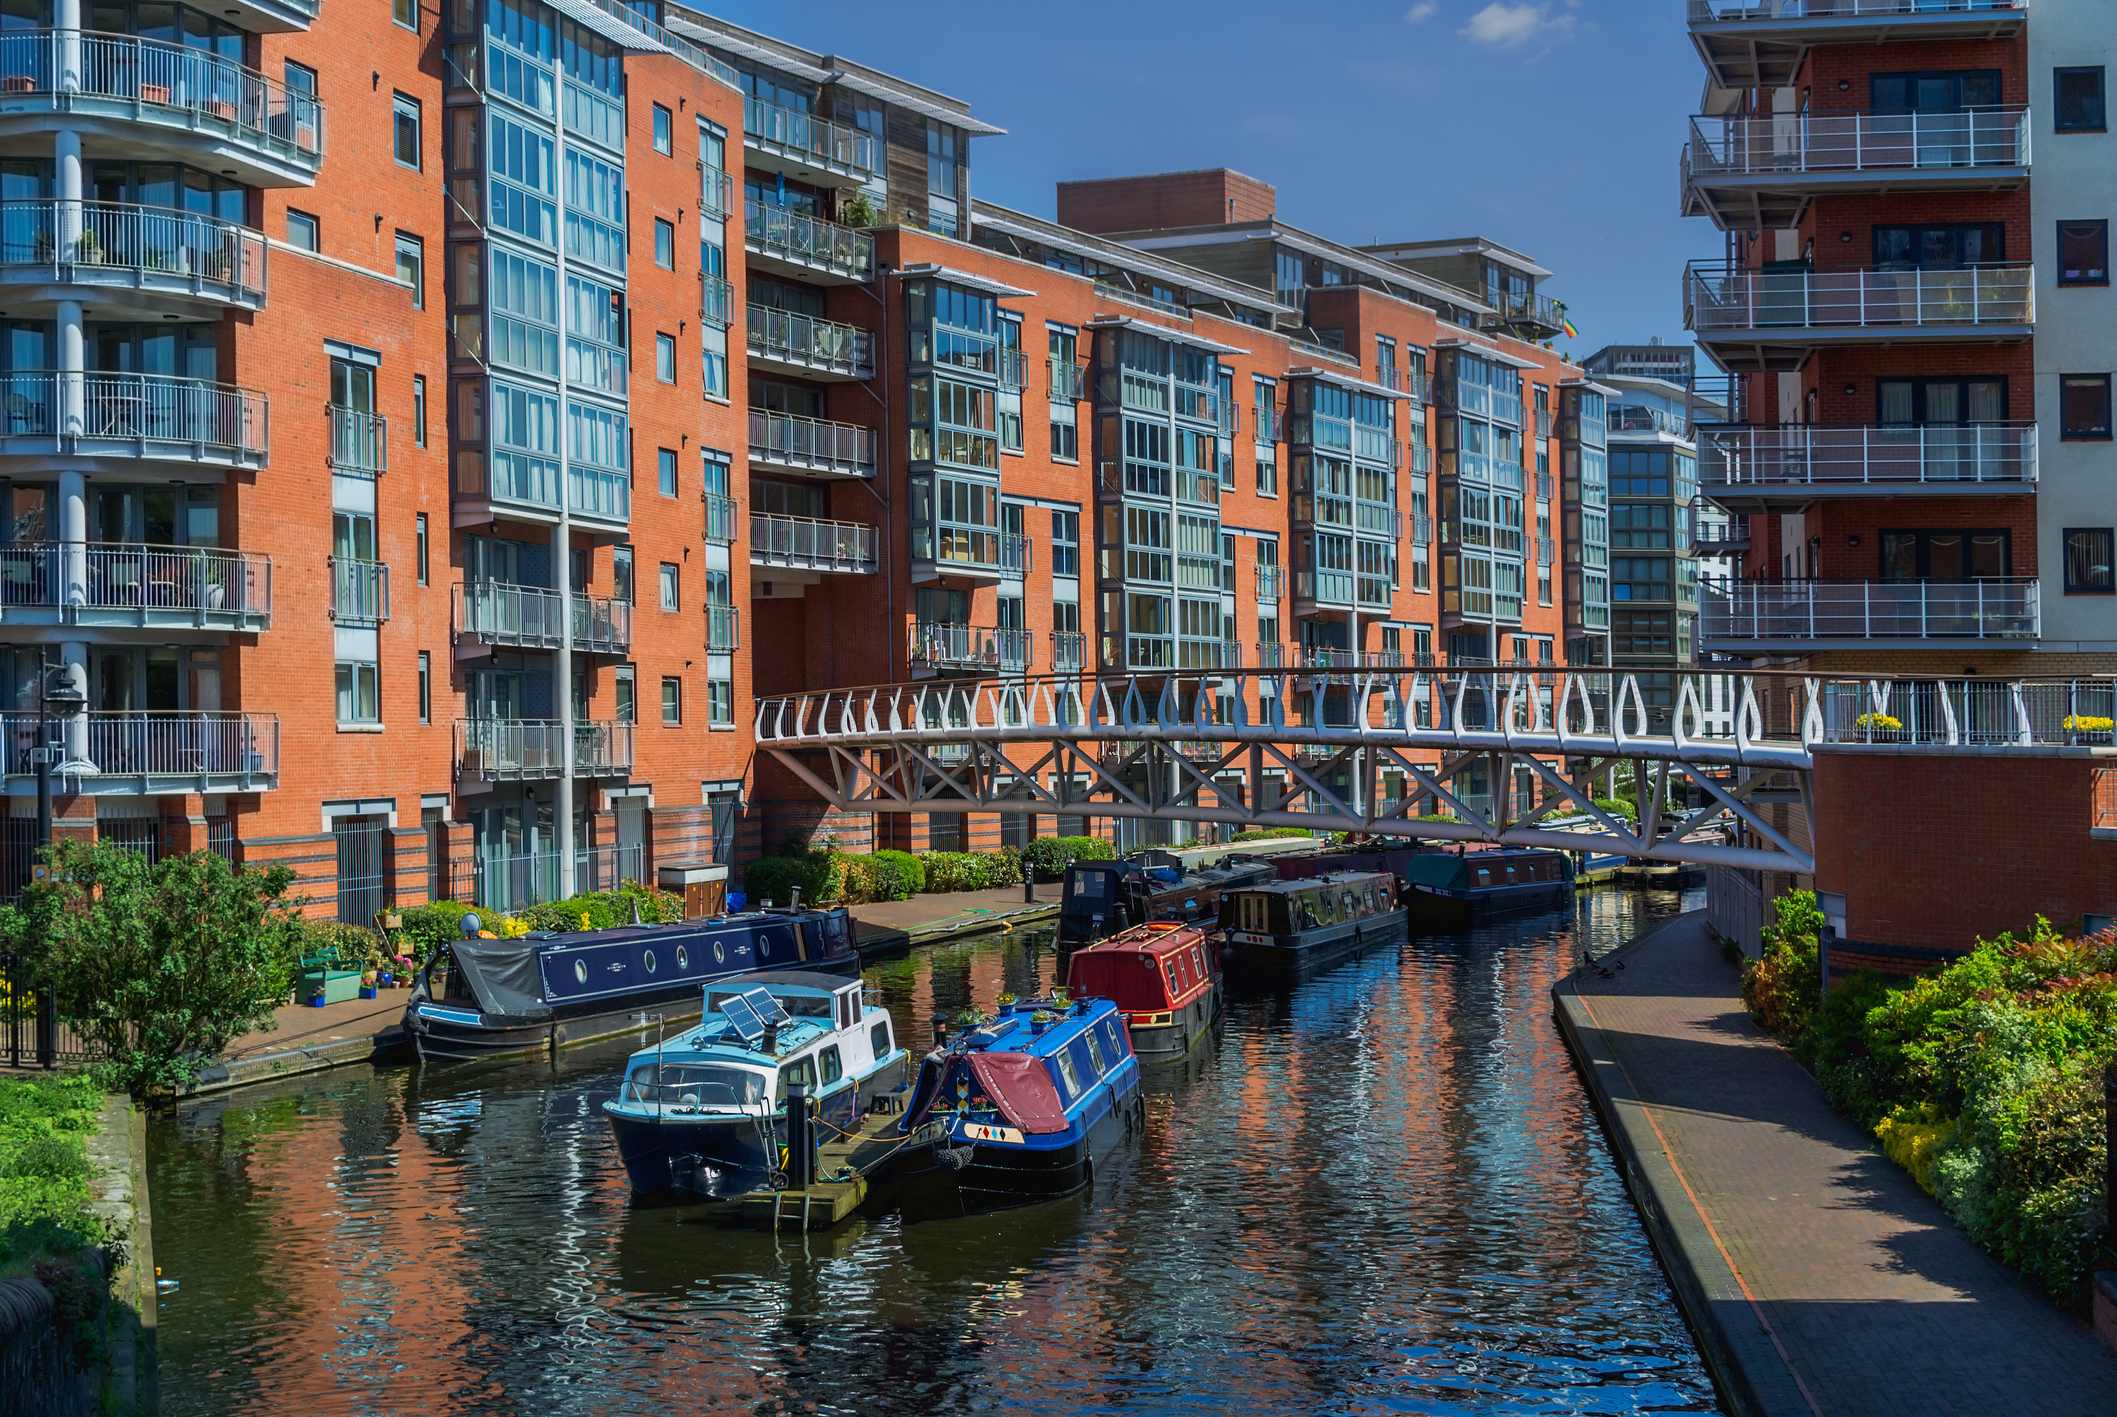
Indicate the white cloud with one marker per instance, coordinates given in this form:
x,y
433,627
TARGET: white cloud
x,y
1421,11
1509,26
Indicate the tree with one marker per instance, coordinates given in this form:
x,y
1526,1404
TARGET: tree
x,y
161,966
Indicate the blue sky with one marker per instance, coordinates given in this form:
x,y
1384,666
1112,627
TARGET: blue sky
x,y
1552,126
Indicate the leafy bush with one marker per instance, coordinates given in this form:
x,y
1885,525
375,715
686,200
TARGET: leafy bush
x,y
910,869
1913,1137
45,1221
1049,856
971,870
1273,834
429,927
338,944
1781,990
1623,808
774,878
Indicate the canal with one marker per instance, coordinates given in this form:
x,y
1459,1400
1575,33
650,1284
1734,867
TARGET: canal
x,y
1384,1191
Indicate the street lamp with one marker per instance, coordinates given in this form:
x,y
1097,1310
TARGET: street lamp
x,y
62,697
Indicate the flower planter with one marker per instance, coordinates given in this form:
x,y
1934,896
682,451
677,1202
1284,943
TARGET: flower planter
x,y
154,93
18,83
367,991
218,108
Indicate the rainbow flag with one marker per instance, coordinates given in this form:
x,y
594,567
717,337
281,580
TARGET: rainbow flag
x,y
1571,333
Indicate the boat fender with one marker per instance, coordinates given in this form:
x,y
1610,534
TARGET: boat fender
x,y
954,1158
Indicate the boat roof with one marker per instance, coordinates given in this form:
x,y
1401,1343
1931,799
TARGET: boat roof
x,y
1328,878
1011,1033
1156,937
798,982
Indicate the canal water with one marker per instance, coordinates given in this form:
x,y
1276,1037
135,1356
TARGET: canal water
x,y
1382,1192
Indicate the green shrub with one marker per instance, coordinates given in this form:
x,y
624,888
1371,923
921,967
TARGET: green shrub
x,y
429,927
971,870
45,1221
774,878
1049,856
911,872
1783,989
343,945
1622,808
1274,834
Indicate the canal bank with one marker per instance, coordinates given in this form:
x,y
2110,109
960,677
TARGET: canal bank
x,y
1817,1277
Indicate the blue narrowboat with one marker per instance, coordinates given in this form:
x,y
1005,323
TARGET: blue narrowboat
x,y
1018,1109
1449,890
550,989
703,1116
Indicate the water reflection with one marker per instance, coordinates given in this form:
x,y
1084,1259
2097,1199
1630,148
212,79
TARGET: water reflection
x,y
1383,1191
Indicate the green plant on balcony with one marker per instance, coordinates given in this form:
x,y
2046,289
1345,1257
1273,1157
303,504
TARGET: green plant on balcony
x,y
859,210
42,247
1878,723
88,249
156,259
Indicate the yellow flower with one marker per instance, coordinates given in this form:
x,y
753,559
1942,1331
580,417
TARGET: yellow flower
x,y
1879,721
2086,723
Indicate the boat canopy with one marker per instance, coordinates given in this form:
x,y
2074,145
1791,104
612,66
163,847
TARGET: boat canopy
x,y
1436,870
1021,1086
502,975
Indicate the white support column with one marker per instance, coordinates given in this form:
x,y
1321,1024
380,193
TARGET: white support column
x,y
74,736
73,538
66,39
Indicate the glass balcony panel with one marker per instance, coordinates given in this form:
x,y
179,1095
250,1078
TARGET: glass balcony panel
x,y
807,543
1998,608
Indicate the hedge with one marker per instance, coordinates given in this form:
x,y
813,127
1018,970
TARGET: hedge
x,y
971,870
1049,856
1275,834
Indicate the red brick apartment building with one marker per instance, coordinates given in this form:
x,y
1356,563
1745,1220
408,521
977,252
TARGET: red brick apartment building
x,y
576,372
1919,336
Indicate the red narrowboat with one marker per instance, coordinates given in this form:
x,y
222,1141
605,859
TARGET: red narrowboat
x,y
1164,976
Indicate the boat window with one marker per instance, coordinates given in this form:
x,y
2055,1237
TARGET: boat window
x,y
1110,1039
694,1085
683,958
1370,900
649,961
1175,983
1352,906
1069,1076
832,1068
764,945
1484,877
1510,873
1095,1051
802,1072
879,1037
580,970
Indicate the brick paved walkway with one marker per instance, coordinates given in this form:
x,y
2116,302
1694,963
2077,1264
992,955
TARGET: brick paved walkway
x,y
304,1026
1850,1291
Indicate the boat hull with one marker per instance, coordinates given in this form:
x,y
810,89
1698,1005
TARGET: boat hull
x,y
1277,958
687,1158
952,1176
1155,1044
1439,910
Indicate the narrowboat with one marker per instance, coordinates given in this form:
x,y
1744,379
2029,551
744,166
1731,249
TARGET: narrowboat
x,y
702,1117
1447,890
1289,929
550,989
1391,854
1018,1109
1163,976
1104,897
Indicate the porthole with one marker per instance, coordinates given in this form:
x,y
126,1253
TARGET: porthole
x,y
764,946
580,970
683,958
649,961
720,953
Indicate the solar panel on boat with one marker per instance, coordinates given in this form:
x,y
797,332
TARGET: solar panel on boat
x,y
742,1014
768,1008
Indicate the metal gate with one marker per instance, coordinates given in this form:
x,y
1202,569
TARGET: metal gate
x,y
31,1034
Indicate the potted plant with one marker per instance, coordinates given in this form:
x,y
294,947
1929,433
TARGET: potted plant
x,y
42,248
367,984
858,210
1879,727
88,249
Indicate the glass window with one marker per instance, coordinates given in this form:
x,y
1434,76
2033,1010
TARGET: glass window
x,y
419,409
1069,1077
665,244
2088,566
832,1068
1944,91
2080,100
720,703
404,130
1065,543
426,687
672,596
2084,406
621,574
664,129
411,267
359,693
672,700
878,1040
626,682
665,461
303,231
406,13
1948,246
419,548
665,358
2083,253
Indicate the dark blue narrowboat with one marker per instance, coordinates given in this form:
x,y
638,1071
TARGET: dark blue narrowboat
x,y
1449,890
1102,898
1017,1110
549,989
1286,930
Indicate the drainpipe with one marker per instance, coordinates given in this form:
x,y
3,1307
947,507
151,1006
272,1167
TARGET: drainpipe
x,y
562,571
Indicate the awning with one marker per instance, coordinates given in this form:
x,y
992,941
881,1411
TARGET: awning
x,y
745,49
912,103
965,279
1173,335
1022,1087
502,975
590,16
1344,381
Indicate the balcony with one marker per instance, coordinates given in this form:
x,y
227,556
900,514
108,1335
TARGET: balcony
x,y
1266,429
781,139
978,554
149,753
1068,380
1271,582
1013,370
532,749
1722,539
1271,656
360,442
1320,657
1069,651
939,648
1763,171
128,586
721,515
1762,43
1544,317
811,447
782,342
147,261
716,193
1323,588
786,242
170,101
807,544
360,591
501,614
1777,616
723,629
716,301
1783,467
1770,322
130,419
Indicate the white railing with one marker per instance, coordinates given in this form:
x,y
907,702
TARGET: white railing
x,y
1989,713
1998,608
156,77
807,543
155,584
503,613
360,442
808,240
177,743
1807,141
360,591
723,628
1820,454
136,408
1719,297
1723,11
720,518
773,127
503,749
936,645
106,242
818,444
812,342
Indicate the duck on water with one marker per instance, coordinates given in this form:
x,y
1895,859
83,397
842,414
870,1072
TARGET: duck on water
x,y
549,989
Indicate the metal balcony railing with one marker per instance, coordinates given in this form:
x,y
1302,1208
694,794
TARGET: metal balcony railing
x,y
1271,582
219,420
1017,555
806,543
721,515
1266,423
789,132
1645,418
1111,290
131,583
1271,656
146,248
360,591
1013,369
1421,529
716,193
156,80
1818,455
824,346
1984,713
1069,651
360,442
1068,379
1704,12
810,241
1531,309
1718,297
1791,144
812,444
716,301
1998,608
503,613
940,645
183,744
723,628
513,749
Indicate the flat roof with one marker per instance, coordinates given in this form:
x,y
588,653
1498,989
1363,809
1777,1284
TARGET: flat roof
x,y
1117,253
1458,246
